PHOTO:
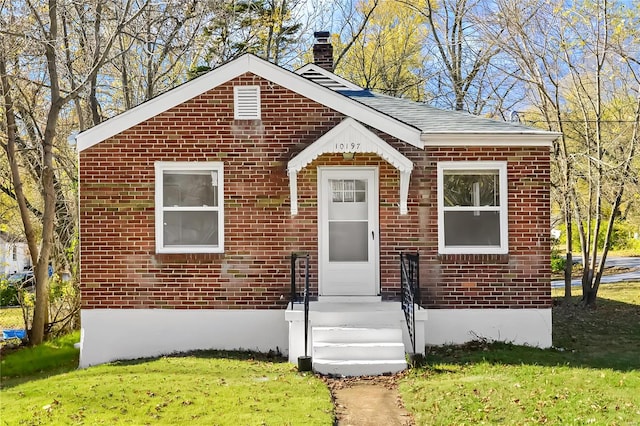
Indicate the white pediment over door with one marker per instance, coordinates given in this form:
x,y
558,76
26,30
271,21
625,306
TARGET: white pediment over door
x,y
350,137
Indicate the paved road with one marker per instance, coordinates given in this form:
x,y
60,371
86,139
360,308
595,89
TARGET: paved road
x,y
625,262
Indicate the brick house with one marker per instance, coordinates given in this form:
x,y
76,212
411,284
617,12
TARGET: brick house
x,y
193,202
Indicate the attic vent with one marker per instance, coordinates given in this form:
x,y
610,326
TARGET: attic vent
x,y
247,102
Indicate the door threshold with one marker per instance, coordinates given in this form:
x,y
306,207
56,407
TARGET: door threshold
x,y
349,299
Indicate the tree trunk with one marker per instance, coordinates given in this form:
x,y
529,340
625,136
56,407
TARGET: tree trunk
x,y
568,267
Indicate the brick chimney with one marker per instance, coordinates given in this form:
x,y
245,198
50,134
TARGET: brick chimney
x,y
323,50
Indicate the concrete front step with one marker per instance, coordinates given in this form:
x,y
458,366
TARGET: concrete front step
x,y
364,367
375,319
358,351
345,334
349,334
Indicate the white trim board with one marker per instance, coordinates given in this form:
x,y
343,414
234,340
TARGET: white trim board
x,y
115,334
502,208
248,64
516,139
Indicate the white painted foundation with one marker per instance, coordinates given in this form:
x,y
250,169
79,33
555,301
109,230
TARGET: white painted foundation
x,y
117,334
530,327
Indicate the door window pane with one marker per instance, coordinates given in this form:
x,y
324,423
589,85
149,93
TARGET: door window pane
x,y
348,200
348,242
348,190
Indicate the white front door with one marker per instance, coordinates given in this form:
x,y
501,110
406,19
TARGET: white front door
x,y
348,229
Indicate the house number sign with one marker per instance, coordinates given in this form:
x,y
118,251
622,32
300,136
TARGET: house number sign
x,y
347,147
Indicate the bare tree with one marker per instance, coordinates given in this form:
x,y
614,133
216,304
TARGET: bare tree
x,y
463,59
35,33
352,20
531,29
152,54
575,80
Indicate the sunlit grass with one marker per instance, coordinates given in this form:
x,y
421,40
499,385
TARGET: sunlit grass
x,y
633,252
51,357
591,376
11,318
202,388
489,393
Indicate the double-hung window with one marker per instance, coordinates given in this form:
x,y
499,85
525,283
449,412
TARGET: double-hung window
x,y
189,207
472,207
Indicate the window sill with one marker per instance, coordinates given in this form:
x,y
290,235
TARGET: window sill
x,y
187,258
467,258
184,250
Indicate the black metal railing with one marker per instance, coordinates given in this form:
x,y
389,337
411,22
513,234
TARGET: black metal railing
x,y
410,285
299,294
304,297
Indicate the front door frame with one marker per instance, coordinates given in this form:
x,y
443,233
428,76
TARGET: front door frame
x,y
370,275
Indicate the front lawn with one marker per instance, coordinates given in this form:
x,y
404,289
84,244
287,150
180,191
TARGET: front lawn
x,y
202,388
51,357
591,377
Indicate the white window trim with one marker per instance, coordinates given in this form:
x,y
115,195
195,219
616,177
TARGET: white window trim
x,y
242,94
501,166
162,166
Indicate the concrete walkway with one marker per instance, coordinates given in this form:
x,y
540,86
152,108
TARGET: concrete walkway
x,y
368,401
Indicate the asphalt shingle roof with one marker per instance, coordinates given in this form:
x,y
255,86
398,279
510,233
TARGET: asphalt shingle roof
x,y
431,120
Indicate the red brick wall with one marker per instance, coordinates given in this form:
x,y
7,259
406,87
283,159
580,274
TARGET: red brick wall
x,y
120,269
520,279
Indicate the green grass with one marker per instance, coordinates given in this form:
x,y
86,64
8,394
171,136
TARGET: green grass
x,y
51,357
41,385
592,376
203,388
625,253
11,318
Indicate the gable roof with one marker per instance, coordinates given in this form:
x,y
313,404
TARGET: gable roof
x,y
249,63
415,123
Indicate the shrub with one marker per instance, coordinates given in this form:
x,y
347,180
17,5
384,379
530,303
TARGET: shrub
x,y
64,306
558,262
8,294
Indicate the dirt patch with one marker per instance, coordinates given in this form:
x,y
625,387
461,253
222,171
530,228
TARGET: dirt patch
x,y
368,401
